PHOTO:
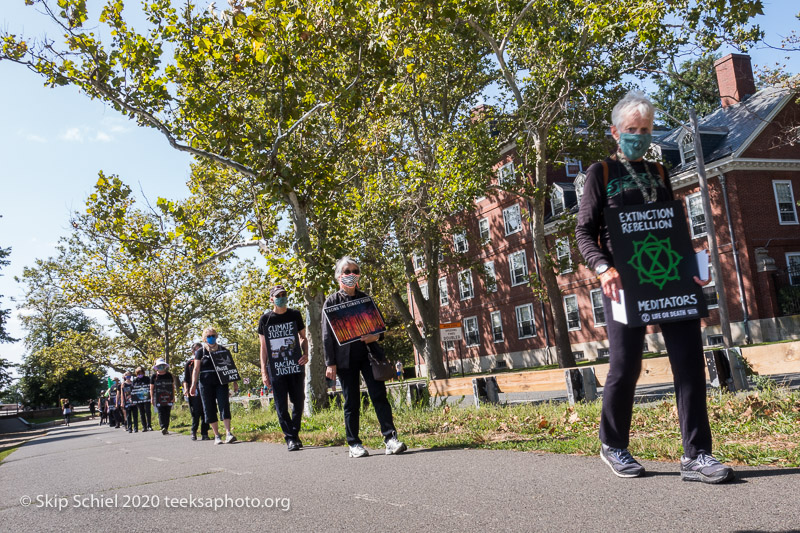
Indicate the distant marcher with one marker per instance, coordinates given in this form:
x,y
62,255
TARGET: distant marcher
x,y
114,417
92,407
351,361
633,181
195,402
102,403
285,327
213,393
161,378
399,367
144,406
67,410
131,414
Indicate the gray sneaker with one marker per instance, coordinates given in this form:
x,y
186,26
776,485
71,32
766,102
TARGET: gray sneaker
x,y
357,450
229,438
217,439
705,468
394,446
620,461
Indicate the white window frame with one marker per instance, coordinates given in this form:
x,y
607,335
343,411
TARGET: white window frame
x,y
775,184
511,258
491,276
686,139
690,198
574,298
466,275
557,199
509,212
712,284
418,261
517,310
465,322
506,174
571,161
460,237
488,233
592,293
423,288
580,184
562,245
444,297
494,326
789,261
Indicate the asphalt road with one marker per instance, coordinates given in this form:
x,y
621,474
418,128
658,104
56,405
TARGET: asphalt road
x,y
81,478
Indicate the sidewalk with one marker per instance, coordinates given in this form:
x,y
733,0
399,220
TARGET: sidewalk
x,y
13,433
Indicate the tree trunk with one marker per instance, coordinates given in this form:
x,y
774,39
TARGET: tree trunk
x,y
429,344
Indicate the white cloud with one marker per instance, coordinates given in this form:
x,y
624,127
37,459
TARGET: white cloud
x,y
103,137
32,137
73,135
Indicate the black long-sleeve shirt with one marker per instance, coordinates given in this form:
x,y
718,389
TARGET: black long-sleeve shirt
x,y
591,232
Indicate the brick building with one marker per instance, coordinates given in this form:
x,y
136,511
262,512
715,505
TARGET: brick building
x,y
753,175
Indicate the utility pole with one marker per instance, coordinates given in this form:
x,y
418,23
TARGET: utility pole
x,y
719,284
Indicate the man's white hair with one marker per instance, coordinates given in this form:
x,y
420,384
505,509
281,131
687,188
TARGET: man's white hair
x,y
341,263
632,103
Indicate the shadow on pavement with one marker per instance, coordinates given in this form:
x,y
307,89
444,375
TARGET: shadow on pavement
x,y
766,472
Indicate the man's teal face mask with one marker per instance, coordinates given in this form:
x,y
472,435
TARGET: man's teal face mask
x,y
634,145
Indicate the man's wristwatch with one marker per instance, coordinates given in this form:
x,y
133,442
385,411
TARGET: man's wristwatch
x,y
602,269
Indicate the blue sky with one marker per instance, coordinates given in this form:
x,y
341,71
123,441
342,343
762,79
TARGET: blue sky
x,y
53,142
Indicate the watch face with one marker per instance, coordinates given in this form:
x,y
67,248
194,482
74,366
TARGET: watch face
x,y
601,269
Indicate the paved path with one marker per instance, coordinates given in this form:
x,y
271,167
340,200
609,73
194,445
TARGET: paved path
x,y
423,490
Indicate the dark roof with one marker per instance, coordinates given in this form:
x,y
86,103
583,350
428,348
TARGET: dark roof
x,y
725,130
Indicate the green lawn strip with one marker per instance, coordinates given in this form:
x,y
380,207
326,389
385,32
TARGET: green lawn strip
x,y
8,451
753,429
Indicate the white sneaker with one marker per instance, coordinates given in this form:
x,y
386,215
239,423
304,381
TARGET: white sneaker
x,y
394,446
357,450
229,438
217,439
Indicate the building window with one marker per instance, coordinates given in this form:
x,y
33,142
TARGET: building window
x,y
784,199
697,218
518,265
418,260
603,352
450,345
710,291
465,284
491,277
512,219
715,340
573,167
460,242
571,309
687,148
505,175
557,201
443,297
597,307
579,182
424,290
578,356
525,326
563,254
497,327
793,268
483,229
471,334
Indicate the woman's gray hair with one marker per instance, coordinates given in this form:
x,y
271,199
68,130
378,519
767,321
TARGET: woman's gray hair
x,y
633,102
343,262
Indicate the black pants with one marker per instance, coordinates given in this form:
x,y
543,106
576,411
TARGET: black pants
x,y
351,389
287,388
146,414
214,397
198,418
164,412
132,417
684,344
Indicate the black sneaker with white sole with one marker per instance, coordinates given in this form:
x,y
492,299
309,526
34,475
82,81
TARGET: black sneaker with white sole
x,y
620,461
706,469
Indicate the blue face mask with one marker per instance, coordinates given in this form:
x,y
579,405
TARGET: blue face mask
x,y
281,301
211,339
634,145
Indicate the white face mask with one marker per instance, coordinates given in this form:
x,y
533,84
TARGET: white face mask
x,y
349,280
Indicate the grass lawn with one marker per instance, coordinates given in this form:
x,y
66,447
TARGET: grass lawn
x,y
8,451
758,428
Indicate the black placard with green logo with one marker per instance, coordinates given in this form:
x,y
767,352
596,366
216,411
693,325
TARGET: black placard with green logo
x,y
654,256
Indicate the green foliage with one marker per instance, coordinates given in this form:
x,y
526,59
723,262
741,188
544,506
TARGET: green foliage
x,y
693,84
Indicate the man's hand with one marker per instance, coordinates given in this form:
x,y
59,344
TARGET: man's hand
x,y
701,282
330,372
366,339
611,283
265,379
303,360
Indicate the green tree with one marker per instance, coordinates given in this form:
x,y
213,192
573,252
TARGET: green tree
x,y
693,84
561,62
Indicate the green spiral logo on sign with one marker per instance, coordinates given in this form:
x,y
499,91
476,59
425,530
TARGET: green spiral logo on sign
x,y
655,261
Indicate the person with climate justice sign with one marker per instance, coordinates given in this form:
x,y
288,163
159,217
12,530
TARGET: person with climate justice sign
x,y
626,203
284,352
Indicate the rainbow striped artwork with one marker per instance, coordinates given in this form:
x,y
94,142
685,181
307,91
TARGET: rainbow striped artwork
x,y
350,320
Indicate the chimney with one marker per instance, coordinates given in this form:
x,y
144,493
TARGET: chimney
x,y
735,78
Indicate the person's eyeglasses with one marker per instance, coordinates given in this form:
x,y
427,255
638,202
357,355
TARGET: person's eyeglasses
x,y
280,295
354,271
161,367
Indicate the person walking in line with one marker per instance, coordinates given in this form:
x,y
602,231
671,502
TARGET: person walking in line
x,y
195,402
214,395
114,417
67,410
399,367
626,178
350,362
162,380
102,403
284,353
92,408
131,413
143,405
